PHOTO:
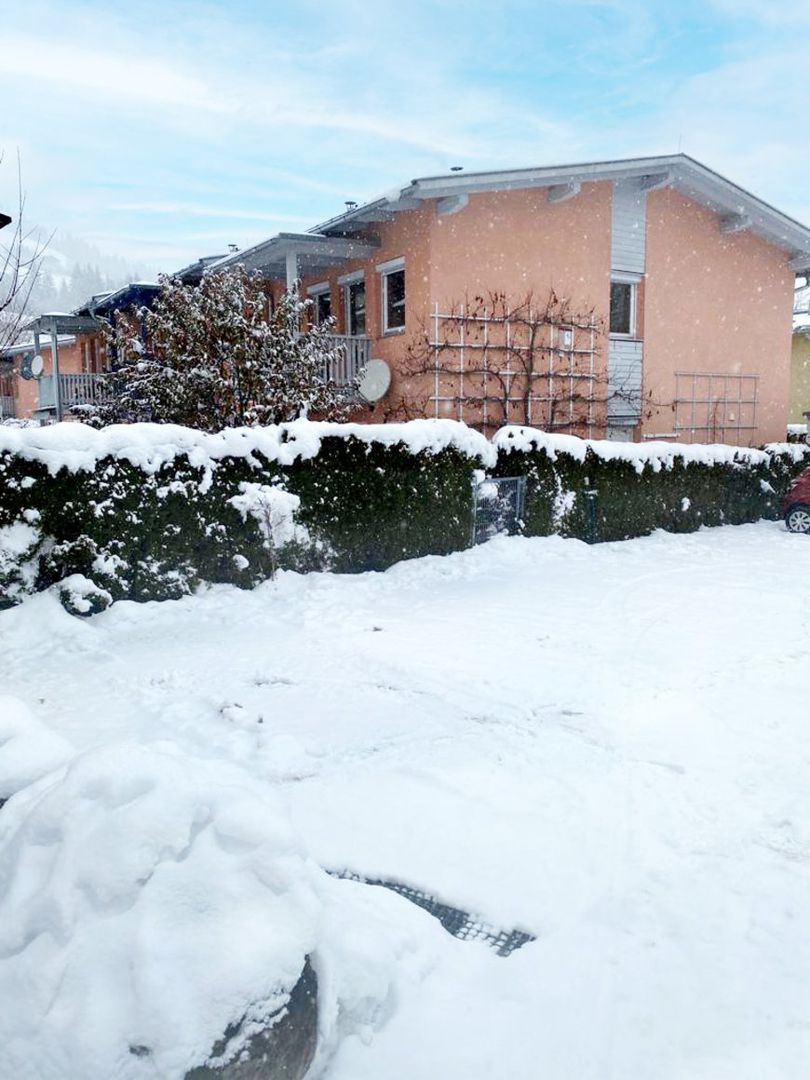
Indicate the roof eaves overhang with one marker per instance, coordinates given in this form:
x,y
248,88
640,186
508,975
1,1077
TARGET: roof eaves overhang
x,y
314,251
61,323
192,274
136,293
737,208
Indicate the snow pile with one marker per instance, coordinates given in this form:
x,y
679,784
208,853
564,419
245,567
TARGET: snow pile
x,y
150,899
28,748
656,455
150,446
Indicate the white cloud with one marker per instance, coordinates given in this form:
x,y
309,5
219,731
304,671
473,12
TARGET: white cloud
x,y
777,13
190,209
98,70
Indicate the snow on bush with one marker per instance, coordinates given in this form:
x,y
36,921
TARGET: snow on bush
x,y
150,446
81,596
149,901
655,455
19,544
274,510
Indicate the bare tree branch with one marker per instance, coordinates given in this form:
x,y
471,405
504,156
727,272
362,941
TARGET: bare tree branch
x,y
21,253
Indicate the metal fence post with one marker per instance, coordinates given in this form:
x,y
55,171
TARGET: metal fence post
x,y
591,519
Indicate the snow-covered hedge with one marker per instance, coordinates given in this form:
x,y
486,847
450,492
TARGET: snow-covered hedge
x,y
599,490
149,511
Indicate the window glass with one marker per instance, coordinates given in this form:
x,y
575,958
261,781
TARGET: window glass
x,y
621,307
356,307
323,307
394,288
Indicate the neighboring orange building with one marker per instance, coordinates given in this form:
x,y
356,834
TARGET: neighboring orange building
x,y
680,289
673,311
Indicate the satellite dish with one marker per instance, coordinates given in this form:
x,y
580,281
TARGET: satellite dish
x,y
37,366
375,378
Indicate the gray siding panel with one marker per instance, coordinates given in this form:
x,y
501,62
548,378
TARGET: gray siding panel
x,y
625,363
628,238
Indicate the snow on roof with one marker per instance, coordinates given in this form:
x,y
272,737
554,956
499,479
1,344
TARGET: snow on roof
x,y
149,446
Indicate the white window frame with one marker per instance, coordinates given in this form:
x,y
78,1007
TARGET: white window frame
x,y
619,278
346,281
385,269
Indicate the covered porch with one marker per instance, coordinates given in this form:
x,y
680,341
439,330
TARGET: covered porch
x,y
57,391
290,258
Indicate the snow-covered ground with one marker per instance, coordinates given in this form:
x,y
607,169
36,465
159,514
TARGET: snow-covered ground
x,y
608,747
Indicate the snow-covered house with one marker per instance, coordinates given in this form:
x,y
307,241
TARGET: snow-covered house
x,y
671,315
689,279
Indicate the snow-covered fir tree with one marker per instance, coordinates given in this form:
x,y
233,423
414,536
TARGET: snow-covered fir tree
x,y
220,355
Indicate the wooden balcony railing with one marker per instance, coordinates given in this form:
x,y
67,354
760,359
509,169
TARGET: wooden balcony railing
x,y
83,389
352,354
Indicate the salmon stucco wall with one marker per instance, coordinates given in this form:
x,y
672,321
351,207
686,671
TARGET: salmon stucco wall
x,y
799,379
718,303
518,243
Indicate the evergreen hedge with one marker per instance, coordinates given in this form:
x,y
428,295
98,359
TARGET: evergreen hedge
x,y
601,491
118,530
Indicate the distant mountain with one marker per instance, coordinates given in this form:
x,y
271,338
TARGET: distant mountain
x,y
73,270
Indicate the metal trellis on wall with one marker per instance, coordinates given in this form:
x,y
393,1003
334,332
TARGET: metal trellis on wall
x,y
492,367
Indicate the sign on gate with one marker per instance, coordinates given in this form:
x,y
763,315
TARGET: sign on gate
x,y
498,507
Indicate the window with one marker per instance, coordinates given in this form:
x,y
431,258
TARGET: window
x,y
321,298
323,307
623,308
356,308
393,301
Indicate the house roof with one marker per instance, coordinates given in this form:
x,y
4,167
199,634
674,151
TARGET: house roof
x,y
738,208
192,274
313,251
132,294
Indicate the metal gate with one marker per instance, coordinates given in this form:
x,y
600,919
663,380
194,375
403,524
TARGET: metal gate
x,y
498,507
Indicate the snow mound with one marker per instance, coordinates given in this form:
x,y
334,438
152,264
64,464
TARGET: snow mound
x,y
150,446
28,749
148,901
151,900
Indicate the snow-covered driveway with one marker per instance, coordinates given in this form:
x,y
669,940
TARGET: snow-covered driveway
x,y
608,747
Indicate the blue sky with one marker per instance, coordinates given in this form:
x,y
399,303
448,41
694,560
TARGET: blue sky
x,y
163,131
